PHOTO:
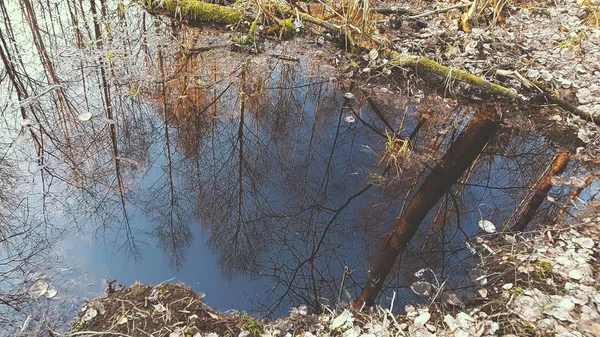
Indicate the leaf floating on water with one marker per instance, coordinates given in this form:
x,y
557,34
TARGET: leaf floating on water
x,y
51,293
421,288
349,95
487,226
452,299
507,286
483,292
349,119
86,116
122,320
38,289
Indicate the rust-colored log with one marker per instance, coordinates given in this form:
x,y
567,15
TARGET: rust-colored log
x,y
560,164
452,166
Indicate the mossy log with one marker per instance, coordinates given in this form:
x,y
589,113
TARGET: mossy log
x,y
197,12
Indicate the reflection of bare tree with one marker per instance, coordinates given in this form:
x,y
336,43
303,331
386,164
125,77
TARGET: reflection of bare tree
x,y
171,227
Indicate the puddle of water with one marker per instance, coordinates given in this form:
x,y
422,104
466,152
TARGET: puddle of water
x,y
262,184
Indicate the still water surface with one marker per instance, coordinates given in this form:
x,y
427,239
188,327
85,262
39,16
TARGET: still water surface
x,y
263,183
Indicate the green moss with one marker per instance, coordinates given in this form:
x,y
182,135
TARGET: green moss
x,y
242,40
287,28
195,10
543,268
254,327
516,290
529,330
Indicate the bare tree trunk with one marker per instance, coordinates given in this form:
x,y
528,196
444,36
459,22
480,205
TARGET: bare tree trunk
x,y
480,130
560,164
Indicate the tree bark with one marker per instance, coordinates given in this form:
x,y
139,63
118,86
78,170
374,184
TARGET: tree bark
x,y
469,144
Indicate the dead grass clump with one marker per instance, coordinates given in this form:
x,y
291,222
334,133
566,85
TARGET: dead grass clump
x,y
142,310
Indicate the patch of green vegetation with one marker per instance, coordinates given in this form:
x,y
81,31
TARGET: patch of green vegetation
x,y
529,330
286,28
188,332
254,327
516,290
251,325
349,66
543,268
242,40
196,10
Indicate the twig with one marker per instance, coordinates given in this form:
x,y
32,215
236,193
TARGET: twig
x,y
411,14
285,57
93,333
442,10
394,10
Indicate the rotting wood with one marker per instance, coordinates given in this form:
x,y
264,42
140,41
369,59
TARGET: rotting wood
x,y
198,12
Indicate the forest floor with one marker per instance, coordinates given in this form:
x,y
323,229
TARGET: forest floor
x,y
554,42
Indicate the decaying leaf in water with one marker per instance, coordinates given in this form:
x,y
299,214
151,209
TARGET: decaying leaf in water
x,y
487,226
51,293
86,116
38,289
421,288
452,299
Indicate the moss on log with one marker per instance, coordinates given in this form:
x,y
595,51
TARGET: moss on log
x,y
434,68
196,11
